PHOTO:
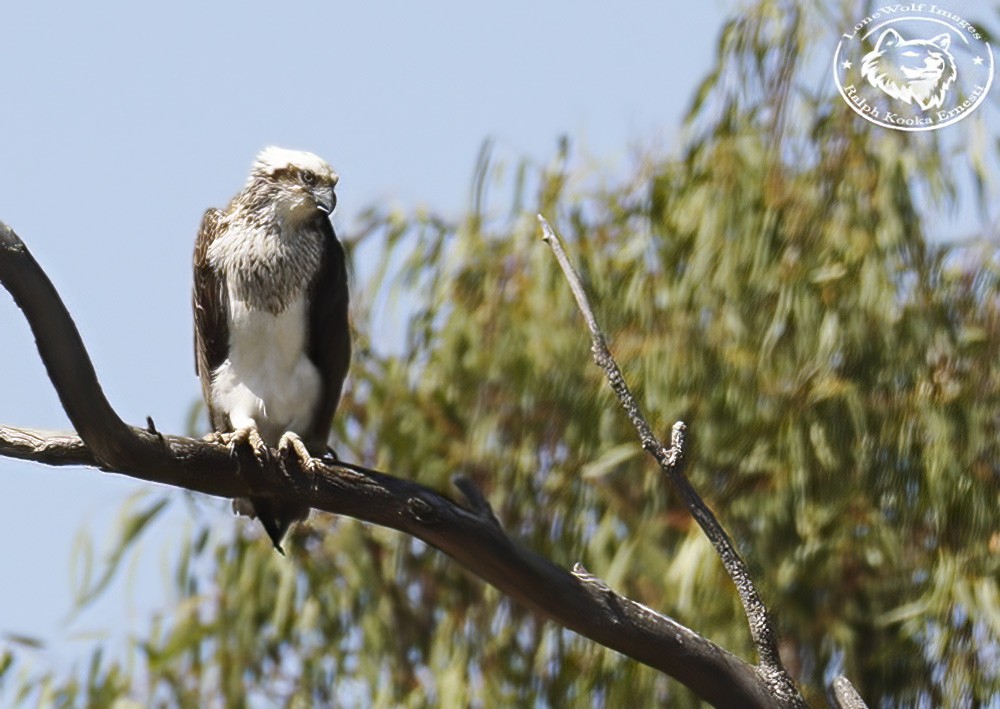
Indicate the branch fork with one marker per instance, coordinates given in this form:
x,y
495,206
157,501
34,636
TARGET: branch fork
x,y
470,534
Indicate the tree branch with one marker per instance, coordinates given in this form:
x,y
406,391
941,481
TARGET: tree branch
x,y
672,461
470,535
845,696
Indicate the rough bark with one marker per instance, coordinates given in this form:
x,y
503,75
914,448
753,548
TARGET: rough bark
x,y
469,533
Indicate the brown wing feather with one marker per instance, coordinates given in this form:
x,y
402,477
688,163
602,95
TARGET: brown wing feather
x,y
329,335
211,328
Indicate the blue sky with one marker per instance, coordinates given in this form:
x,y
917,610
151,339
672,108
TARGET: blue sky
x,y
122,122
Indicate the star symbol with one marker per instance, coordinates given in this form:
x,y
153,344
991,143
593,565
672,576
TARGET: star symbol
x,y
977,61
848,65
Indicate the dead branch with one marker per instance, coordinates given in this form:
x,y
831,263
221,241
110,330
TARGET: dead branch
x,y
469,534
672,462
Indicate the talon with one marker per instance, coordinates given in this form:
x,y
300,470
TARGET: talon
x,y
242,439
291,445
260,448
214,437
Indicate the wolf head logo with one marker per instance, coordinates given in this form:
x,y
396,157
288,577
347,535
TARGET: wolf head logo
x,y
919,70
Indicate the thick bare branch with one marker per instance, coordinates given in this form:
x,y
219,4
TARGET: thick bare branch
x,y
671,460
471,536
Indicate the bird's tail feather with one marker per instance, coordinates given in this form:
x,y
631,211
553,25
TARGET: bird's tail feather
x,y
275,517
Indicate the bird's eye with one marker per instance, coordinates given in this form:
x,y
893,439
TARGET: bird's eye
x,y
308,177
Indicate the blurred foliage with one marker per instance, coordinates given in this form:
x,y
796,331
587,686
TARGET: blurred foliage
x,y
773,285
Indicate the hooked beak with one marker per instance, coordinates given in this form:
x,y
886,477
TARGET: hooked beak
x,y
326,200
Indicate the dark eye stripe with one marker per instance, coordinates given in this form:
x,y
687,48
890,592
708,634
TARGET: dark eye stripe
x,y
308,177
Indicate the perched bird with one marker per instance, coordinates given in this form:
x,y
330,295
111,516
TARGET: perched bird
x,y
272,341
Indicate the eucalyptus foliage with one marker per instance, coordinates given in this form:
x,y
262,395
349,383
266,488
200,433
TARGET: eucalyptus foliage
x,y
772,283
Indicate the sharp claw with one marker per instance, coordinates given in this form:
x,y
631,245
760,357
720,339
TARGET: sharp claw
x,y
260,449
293,450
242,441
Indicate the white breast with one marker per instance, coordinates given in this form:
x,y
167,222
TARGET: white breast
x,y
268,380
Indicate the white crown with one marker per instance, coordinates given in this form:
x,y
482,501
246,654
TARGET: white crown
x,y
271,159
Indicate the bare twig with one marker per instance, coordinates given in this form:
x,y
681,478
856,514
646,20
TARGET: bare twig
x,y
671,460
470,536
845,696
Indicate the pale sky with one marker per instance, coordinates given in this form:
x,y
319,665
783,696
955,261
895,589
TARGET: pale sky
x,y
122,122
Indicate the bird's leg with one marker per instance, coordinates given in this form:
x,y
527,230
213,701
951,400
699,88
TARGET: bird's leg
x,y
293,451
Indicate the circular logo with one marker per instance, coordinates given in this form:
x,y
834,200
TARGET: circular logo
x,y
913,66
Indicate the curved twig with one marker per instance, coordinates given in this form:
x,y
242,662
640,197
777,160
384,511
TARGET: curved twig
x,y
671,460
471,536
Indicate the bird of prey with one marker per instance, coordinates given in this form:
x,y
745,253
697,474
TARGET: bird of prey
x,y
272,341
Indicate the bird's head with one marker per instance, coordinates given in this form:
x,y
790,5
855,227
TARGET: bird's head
x,y
299,183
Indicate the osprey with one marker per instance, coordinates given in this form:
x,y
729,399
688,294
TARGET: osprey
x,y
272,343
